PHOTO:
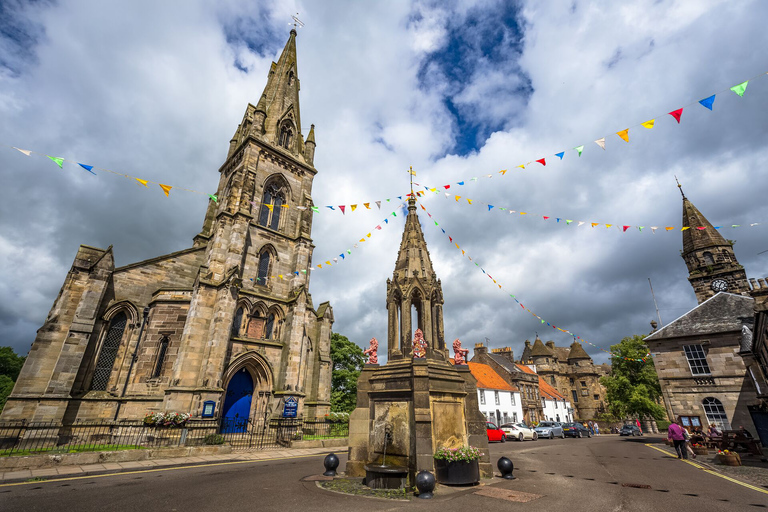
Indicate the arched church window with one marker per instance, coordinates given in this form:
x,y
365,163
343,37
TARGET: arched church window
x,y
108,352
286,135
161,356
270,327
237,322
708,259
271,207
263,272
715,412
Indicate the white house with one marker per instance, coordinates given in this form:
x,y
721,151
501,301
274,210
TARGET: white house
x,y
499,402
556,407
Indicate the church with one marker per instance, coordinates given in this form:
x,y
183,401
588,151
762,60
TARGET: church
x,y
224,329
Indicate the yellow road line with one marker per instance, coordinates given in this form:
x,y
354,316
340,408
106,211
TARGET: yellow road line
x,y
711,472
154,470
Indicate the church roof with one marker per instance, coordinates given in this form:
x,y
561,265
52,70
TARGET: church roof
x,y
487,378
695,238
721,313
539,349
577,352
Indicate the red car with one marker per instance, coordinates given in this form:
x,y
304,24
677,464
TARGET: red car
x,y
494,432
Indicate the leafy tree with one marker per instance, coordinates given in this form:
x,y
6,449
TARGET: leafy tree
x,y
10,366
348,360
633,388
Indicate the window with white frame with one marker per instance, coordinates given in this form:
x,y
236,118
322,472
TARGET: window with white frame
x,y
697,359
482,396
496,397
715,412
512,397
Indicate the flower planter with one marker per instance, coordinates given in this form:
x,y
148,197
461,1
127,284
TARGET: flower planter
x,y
459,472
728,459
700,450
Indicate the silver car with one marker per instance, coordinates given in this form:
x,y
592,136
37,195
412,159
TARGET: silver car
x,y
550,429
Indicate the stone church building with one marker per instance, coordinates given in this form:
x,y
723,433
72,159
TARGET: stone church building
x,y
228,321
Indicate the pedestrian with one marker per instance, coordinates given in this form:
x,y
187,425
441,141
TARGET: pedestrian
x,y
597,429
637,422
688,447
590,427
676,435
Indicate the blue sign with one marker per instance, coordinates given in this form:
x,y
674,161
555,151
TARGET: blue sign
x,y
291,408
208,408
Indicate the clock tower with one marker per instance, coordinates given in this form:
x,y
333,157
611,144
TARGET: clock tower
x,y
712,265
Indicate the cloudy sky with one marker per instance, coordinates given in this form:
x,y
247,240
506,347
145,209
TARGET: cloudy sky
x,y
455,89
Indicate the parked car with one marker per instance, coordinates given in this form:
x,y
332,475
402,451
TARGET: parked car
x,y
494,432
576,430
550,429
630,430
519,431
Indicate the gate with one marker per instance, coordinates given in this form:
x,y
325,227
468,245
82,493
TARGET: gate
x,y
244,434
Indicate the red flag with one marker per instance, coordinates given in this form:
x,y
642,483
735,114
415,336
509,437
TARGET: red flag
x,y
341,207
677,114
451,239
542,161
545,218
626,228
446,187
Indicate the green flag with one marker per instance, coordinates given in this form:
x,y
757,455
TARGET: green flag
x,y
215,198
739,89
579,149
60,161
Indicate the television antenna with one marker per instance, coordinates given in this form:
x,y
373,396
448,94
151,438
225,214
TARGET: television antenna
x,y
297,23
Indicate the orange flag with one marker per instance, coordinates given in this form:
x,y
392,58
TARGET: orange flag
x,y
624,134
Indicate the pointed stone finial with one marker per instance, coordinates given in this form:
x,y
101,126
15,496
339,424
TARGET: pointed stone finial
x,y
311,136
261,106
680,187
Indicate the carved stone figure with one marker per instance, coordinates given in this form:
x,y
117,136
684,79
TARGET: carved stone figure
x,y
373,358
419,344
460,354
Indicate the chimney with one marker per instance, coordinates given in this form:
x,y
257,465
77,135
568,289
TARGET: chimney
x,y
480,348
550,344
506,352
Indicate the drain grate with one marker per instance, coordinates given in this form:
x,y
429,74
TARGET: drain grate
x,y
637,486
504,494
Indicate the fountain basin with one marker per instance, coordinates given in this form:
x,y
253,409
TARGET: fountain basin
x,y
378,476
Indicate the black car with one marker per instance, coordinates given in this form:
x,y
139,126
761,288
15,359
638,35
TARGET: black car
x,y
630,430
576,430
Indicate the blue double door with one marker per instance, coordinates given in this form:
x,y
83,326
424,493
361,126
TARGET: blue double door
x,y
237,403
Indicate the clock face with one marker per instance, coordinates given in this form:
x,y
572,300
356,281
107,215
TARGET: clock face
x,y
719,285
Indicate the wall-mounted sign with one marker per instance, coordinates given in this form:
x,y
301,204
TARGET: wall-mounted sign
x,y
209,407
290,408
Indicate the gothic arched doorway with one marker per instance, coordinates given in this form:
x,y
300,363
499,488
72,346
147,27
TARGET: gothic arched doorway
x,y
237,403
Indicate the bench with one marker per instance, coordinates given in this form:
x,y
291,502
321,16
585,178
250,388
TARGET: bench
x,y
735,440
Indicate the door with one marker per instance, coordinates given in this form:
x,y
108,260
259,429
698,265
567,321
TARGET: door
x,y
237,404
760,420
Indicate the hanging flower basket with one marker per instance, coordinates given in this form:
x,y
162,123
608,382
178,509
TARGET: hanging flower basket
x,y
458,466
167,419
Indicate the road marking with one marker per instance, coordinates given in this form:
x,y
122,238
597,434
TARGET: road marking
x,y
154,470
711,472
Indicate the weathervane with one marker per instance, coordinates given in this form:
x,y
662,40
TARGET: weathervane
x,y
297,23
411,173
680,187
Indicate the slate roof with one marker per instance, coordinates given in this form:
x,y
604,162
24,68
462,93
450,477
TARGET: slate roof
x,y
721,313
539,349
504,362
694,239
577,352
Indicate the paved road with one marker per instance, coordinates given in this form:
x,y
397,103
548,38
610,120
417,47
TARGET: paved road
x,y
568,474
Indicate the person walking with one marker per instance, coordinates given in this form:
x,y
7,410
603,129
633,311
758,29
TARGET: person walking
x,y
597,428
675,433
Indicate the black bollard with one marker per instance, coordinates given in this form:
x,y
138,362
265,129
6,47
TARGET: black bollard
x,y
331,462
506,467
425,483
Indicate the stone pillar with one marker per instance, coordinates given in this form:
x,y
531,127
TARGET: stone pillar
x,y
406,335
426,321
393,330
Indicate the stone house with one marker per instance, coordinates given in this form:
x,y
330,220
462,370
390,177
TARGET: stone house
x,y
228,322
555,406
754,351
571,372
499,402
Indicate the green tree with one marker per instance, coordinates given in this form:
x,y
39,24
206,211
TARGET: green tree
x,y
348,360
10,366
633,388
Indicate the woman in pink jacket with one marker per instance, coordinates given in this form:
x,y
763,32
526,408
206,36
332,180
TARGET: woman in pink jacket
x,y
676,434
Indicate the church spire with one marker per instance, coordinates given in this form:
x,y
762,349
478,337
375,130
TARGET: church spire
x,y
712,264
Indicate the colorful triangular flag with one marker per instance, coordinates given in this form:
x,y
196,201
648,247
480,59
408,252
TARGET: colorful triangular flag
x,y
601,142
579,149
215,198
25,151
166,189
707,102
648,124
677,114
87,168
560,154
542,161
59,161
143,182
624,134
741,88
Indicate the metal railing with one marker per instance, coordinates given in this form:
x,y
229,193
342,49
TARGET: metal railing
x,y
29,438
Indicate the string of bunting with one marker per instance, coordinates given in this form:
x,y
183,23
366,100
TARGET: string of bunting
x,y
167,188
562,220
344,254
543,321
677,114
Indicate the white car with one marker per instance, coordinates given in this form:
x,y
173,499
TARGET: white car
x,y
519,431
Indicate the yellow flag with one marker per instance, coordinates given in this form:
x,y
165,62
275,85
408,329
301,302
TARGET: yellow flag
x,y
269,206
624,134
367,206
433,190
368,235
327,262
608,225
354,207
521,166
457,198
143,182
284,206
166,189
684,228
457,246
469,201
362,239
462,252
648,124
523,213
595,224
503,172
280,276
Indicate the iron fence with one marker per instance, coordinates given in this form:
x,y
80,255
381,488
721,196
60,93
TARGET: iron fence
x,y
29,438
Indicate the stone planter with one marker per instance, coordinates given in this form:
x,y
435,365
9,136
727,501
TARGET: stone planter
x,y
728,459
700,450
457,472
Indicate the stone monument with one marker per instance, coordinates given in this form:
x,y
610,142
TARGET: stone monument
x,y
418,401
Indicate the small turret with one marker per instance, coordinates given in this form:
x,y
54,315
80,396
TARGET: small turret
x,y
309,147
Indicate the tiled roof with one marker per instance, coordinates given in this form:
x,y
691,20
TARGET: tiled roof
x,y
525,369
551,392
487,378
721,313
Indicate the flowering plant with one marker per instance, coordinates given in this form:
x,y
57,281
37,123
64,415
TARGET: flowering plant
x,y
464,453
337,416
168,419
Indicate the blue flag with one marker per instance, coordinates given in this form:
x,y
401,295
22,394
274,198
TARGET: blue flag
x,y
87,168
707,102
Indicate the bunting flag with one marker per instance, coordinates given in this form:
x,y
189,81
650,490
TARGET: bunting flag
x,y
142,182
624,134
677,114
601,142
59,161
560,155
741,88
542,161
353,207
214,198
517,300
707,102
87,168
341,207
166,189
648,124
25,151
579,149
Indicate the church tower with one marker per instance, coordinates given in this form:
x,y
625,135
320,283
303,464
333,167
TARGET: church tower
x,y
414,295
712,265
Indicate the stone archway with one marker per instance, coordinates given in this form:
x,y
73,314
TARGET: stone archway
x,y
247,400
